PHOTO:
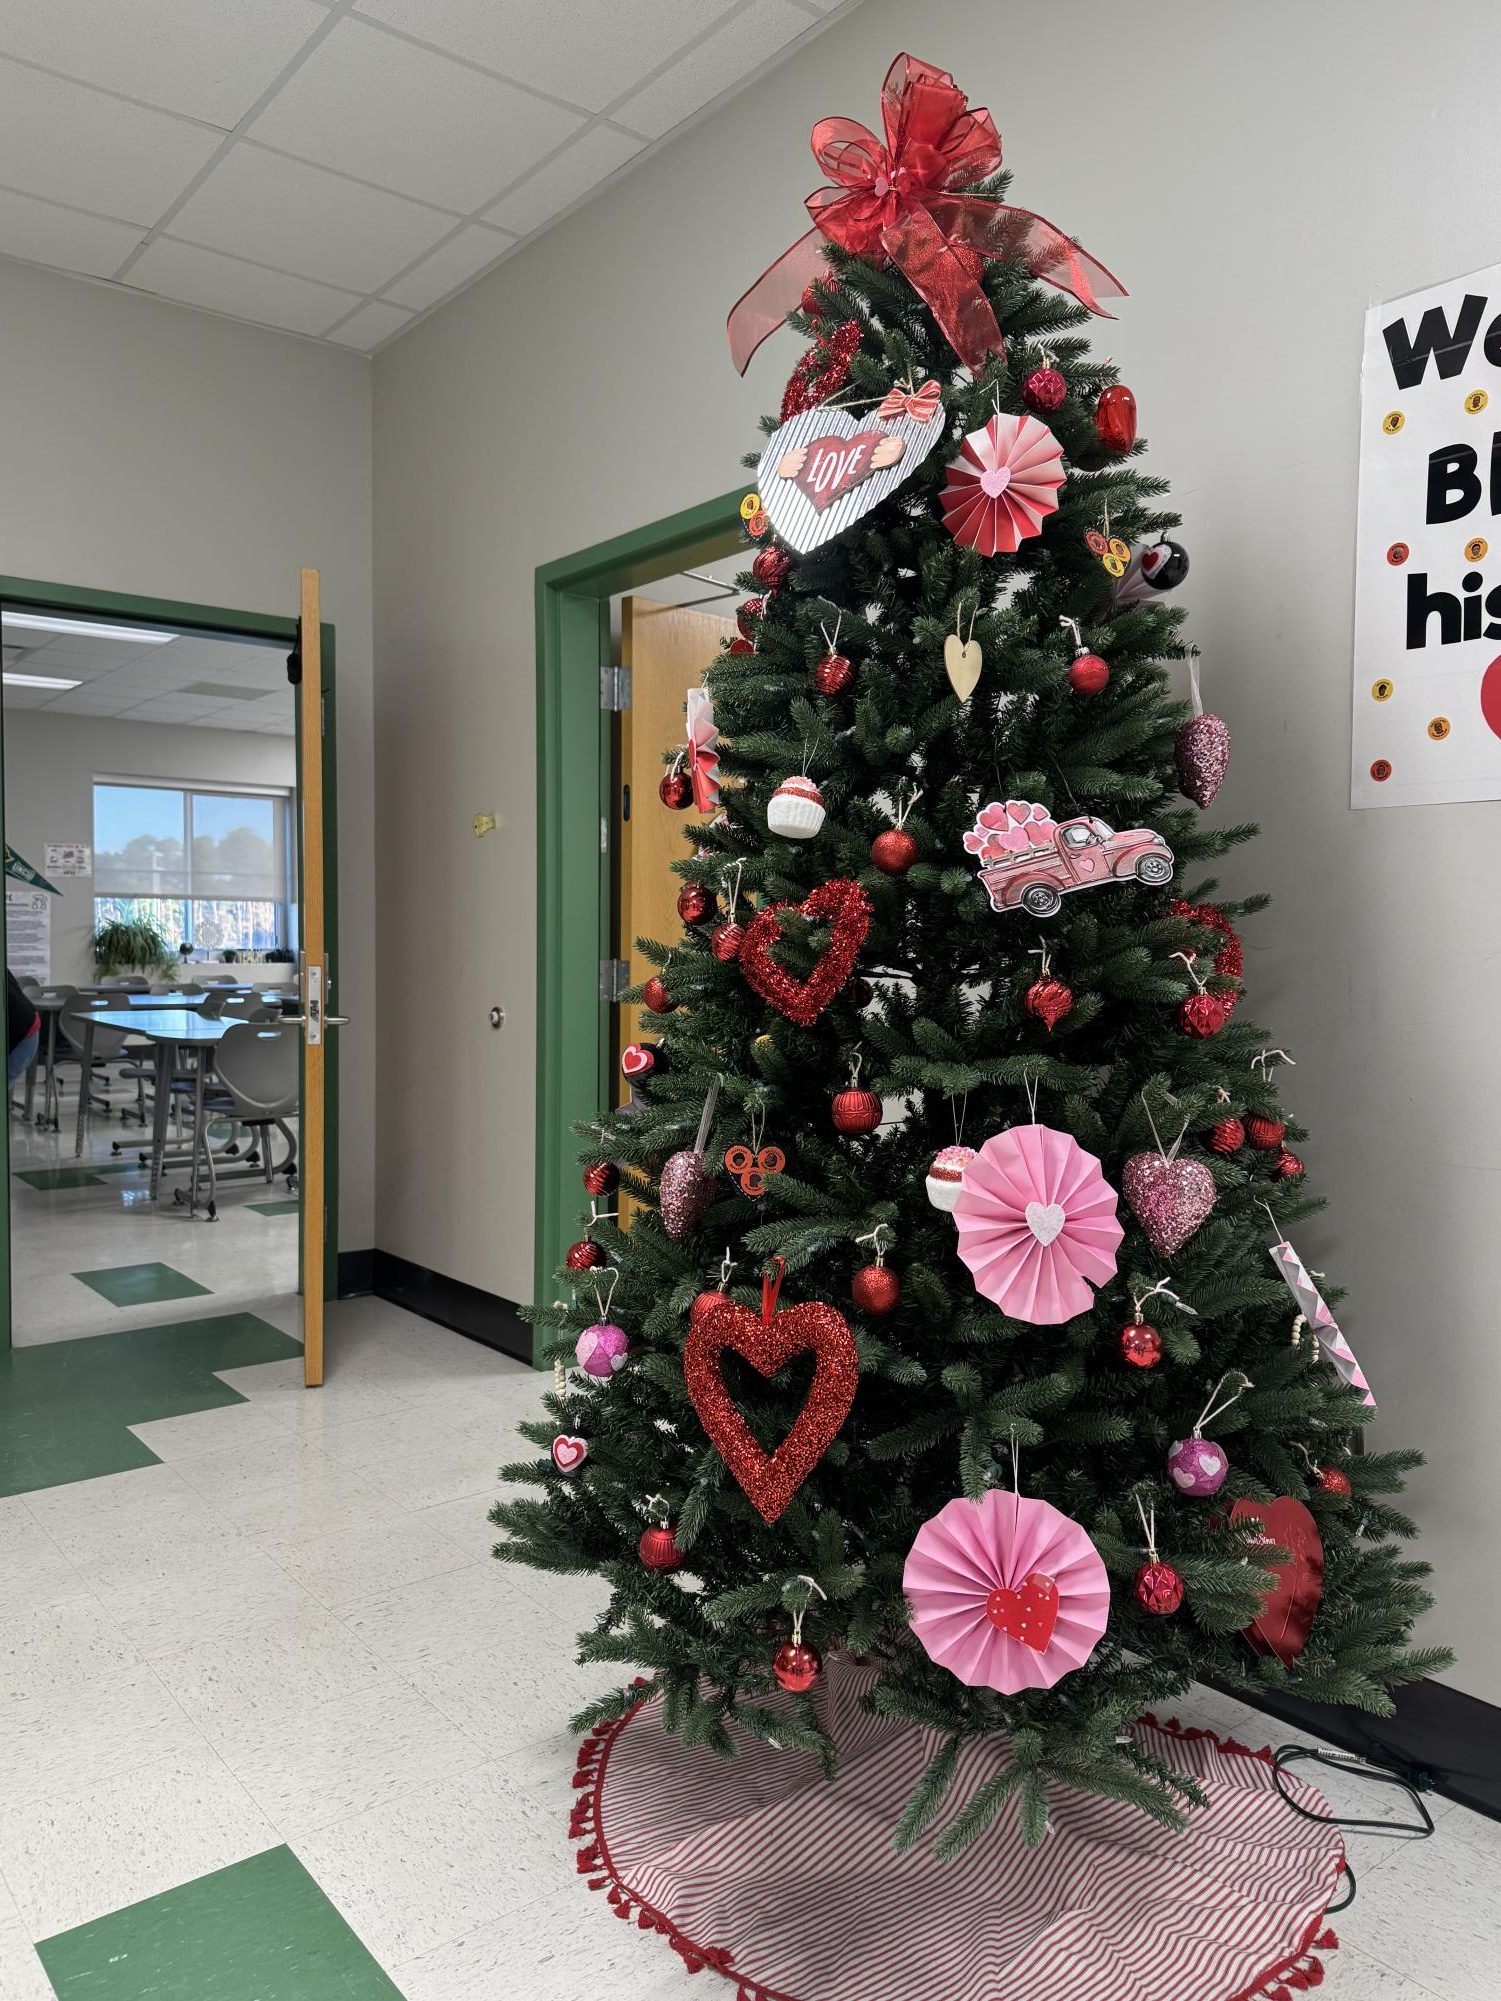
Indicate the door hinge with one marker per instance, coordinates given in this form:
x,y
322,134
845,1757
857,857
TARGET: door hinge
x,y
615,688
614,979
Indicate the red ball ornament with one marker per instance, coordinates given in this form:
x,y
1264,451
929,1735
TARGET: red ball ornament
x,y
725,941
740,646
858,993
876,1290
833,674
1265,1134
601,1177
585,1255
658,1550
893,851
770,567
1287,1166
654,995
1203,1015
1229,1136
705,1303
1088,674
1141,1345
1049,1000
676,790
797,1666
856,1111
1044,390
1334,1481
749,616
1159,1588
695,903
1115,418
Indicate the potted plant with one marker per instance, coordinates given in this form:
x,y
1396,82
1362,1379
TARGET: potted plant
x,y
130,945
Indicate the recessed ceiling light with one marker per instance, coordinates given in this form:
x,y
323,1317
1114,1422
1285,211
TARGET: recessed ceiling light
x,y
82,628
38,681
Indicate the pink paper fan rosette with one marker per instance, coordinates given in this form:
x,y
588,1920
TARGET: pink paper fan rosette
x,y
1003,485
1037,1224
972,1548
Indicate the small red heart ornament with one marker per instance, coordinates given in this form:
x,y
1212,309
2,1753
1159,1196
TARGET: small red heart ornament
x,y
1285,1620
847,908
1028,1615
569,1452
768,1342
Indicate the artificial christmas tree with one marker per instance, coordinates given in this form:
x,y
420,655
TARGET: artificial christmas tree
x,y
947,456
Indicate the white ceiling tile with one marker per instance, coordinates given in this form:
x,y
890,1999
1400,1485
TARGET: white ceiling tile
x,y
374,105
731,55
591,158
257,204
453,263
204,278
370,325
73,144
209,61
61,236
587,51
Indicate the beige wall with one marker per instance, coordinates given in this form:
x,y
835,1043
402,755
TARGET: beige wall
x,y
145,447
1257,176
51,762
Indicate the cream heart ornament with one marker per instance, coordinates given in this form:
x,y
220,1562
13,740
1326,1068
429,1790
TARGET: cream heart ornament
x,y
1045,1220
823,468
962,661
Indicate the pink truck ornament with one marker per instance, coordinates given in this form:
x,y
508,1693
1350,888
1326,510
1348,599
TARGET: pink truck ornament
x,y
1031,861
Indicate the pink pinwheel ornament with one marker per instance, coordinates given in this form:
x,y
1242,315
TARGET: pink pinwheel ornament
x,y
1003,485
1011,829
1006,1592
1037,1224
1311,1302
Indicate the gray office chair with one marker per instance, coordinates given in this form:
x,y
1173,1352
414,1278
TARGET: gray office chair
x,y
258,1068
104,1046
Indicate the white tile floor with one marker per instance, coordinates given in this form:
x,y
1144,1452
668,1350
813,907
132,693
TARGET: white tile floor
x,y
292,1630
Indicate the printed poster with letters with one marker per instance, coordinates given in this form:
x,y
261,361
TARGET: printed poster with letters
x,y
1427,725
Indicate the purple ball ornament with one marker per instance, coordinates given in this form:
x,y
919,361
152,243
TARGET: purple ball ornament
x,y
1196,1465
602,1349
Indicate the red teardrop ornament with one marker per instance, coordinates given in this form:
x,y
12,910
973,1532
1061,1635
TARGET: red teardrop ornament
x,y
601,1177
833,674
1203,1015
1049,1000
1044,390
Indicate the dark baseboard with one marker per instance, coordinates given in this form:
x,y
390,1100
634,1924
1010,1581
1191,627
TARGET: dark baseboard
x,y
482,1316
356,1273
1443,1740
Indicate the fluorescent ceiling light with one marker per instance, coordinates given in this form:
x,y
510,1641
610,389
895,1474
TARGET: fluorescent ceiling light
x,y
82,628
38,681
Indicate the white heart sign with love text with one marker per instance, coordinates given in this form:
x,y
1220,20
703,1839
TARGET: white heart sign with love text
x,y
824,468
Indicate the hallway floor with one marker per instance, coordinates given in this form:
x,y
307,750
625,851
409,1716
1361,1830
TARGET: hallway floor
x,y
274,1725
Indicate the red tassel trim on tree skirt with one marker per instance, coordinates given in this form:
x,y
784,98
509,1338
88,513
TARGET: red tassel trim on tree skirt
x,y
760,1870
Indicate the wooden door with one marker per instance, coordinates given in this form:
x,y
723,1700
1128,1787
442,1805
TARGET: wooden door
x,y
316,1014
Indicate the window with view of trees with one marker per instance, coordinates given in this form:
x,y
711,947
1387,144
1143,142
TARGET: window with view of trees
x,y
207,868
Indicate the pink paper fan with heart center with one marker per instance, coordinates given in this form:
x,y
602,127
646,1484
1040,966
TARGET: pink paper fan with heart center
x,y
1006,1592
1003,485
1037,1224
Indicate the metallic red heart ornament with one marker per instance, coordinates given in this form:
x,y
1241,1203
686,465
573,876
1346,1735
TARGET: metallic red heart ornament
x,y
1286,1617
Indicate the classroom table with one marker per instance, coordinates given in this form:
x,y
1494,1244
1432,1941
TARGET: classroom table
x,y
169,1029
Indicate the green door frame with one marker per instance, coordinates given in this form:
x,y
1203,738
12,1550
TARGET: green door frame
x,y
574,831
76,600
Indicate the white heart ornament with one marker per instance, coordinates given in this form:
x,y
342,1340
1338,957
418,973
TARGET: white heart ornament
x,y
962,661
1045,1220
823,469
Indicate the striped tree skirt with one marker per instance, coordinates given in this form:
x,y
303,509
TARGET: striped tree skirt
x,y
787,1883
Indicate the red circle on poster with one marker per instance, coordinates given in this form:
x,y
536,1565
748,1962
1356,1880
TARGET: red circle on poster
x,y
1381,770
1490,696
1398,553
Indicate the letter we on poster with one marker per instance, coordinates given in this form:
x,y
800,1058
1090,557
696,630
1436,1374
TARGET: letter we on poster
x,y
1427,723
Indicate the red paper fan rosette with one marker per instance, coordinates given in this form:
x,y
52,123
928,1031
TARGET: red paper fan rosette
x,y
1003,485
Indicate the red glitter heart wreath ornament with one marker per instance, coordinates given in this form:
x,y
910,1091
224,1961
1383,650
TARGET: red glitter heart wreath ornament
x,y
769,1480
847,908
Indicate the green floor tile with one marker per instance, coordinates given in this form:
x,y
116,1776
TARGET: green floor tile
x,y
49,1178
276,1208
140,1285
261,1930
65,1405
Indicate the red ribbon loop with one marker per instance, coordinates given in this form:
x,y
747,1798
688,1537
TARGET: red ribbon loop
x,y
771,1285
897,202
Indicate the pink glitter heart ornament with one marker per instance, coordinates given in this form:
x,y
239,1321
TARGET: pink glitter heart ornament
x,y
1168,1196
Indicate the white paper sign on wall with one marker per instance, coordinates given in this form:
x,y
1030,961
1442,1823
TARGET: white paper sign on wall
x,y
28,934
69,858
1427,714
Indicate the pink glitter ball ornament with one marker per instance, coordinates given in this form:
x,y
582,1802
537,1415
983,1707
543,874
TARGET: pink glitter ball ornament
x,y
602,1348
1197,1467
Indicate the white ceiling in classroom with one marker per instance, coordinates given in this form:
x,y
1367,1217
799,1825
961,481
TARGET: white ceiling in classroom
x,y
222,684
337,168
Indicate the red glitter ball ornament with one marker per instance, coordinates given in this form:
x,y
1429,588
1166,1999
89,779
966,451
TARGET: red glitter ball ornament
x,y
833,674
1049,1000
740,646
770,567
1334,1481
1141,1345
1158,1588
676,790
1229,1136
695,903
1115,418
705,1303
1088,674
797,1666
726,940
1287,1166
1265,1134
856,1111
823,371
601,1177
585,1255
1203,1015
876,1290
1044,390
893,851
654,995
749,616
658,1550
